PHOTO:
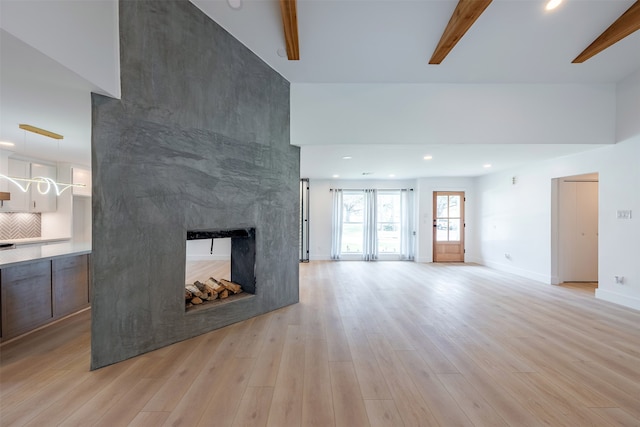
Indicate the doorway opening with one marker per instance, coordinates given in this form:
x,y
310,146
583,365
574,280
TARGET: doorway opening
x,y
575,232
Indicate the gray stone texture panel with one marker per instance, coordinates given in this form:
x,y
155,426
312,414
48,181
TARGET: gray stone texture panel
x,y
199,140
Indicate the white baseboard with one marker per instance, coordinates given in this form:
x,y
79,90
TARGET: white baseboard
x,y
544,278
208,258
620,299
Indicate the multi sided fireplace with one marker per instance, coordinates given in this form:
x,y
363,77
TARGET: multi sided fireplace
x,y
241,258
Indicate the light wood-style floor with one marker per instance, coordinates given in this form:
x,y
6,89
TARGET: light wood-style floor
x,y
369,344
582,286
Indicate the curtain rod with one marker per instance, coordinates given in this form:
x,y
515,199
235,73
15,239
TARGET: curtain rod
x,y
363,189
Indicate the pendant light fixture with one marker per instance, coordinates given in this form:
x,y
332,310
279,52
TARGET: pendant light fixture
x,y
43,184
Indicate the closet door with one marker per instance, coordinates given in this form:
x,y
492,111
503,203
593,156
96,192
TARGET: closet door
x,y
579,231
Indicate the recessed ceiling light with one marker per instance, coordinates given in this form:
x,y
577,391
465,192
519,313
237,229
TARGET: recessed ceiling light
x,y
7,144
428,157
391,175
336,176
552,4
347,158
234,4
282,53
486,165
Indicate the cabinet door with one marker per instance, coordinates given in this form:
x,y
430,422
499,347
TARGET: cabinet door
x,y
19,200
43,202
70,284
26,297
82,176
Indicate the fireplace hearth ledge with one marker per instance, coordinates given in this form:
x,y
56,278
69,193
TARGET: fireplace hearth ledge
x,y
211,305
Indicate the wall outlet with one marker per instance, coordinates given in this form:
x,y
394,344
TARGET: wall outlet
x,y
619,279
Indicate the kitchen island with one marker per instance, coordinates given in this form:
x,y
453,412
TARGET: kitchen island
x,y
41,284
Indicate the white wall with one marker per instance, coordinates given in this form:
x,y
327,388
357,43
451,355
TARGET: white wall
x,y
433,114
628,107
4,169
320,211
81,219
199,250
619,248
516,219
81,35
320,218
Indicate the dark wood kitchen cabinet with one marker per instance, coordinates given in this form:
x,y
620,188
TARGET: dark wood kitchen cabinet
x,y
26,297
70,283
36,293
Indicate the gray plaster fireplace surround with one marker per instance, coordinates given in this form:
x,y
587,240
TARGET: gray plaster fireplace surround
x,y
198,141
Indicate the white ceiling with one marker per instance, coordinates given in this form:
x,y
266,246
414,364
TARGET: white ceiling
x,y
408,161
391,41
356,41
38,91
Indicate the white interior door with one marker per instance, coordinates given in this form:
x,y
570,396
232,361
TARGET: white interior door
x,y
578,228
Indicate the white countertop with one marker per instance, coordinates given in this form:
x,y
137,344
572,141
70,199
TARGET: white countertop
x,y
12,257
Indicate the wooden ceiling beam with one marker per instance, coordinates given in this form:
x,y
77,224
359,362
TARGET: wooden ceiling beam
x,y
626,24
465,14
290,24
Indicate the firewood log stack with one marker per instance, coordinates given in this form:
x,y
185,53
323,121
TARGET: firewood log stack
x,y
209,290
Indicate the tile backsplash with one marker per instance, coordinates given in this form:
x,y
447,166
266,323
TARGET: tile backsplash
x,y
19,225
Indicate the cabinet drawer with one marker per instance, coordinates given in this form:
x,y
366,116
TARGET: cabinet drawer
x,y
26,297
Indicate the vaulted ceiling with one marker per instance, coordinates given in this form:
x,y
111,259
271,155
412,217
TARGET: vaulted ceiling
x,y
432,42
463,17
372,41
383,41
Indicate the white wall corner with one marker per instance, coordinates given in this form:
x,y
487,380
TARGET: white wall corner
x,y
544,278
474,260
628,107
83,36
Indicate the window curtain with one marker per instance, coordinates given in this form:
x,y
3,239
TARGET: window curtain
x,y
370,244
407,226
336,224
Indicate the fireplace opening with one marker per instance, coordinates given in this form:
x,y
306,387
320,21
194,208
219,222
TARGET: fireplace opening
x,y
219,267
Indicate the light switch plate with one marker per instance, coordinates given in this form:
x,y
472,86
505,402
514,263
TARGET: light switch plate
x,y
623,214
